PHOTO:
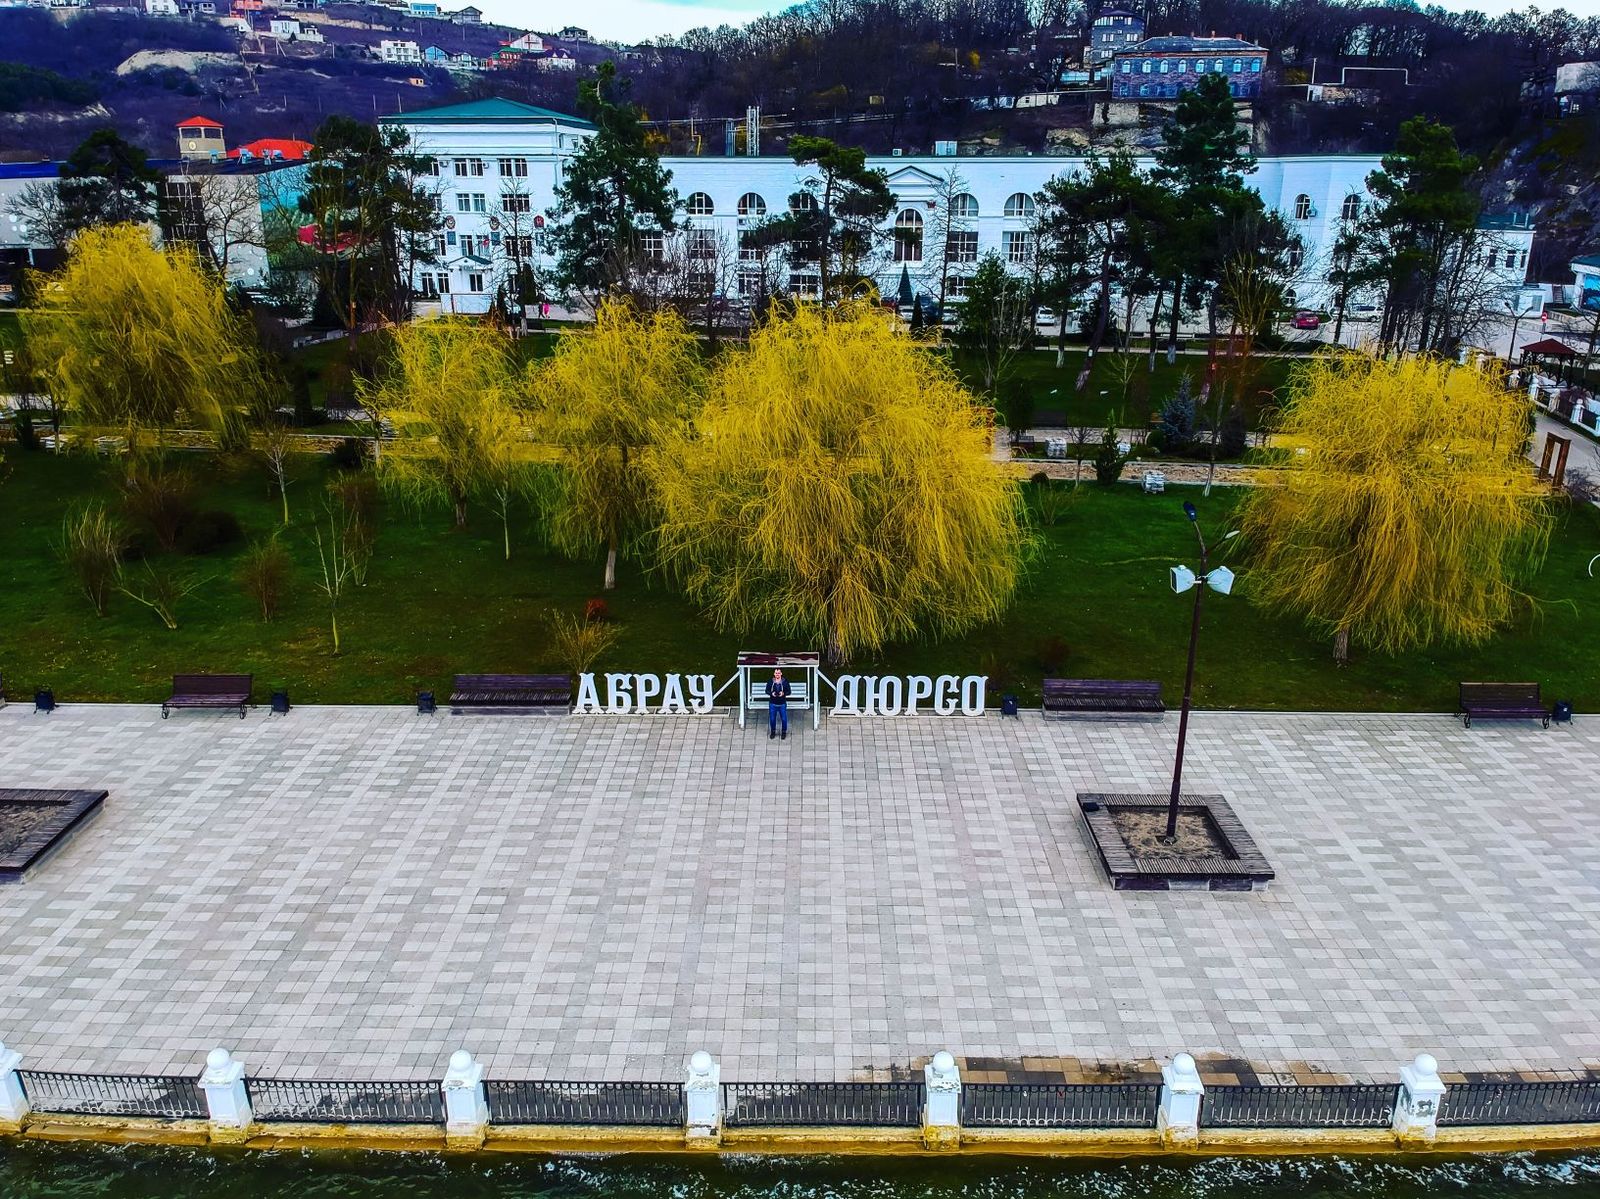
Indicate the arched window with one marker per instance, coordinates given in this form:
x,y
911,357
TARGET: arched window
x,y
751,204
802,202
964,205
1296,256
1127,66
1255,64
1166,66
1350,209
908,236
1183,65
1144,89
1145,66
1302,207
1019,204
1238,65
699,204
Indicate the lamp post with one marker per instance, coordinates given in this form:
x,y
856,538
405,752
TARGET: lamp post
x,y
1219,580
1516,318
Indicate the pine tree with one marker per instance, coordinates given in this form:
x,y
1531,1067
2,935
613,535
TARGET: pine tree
x,y
1178,417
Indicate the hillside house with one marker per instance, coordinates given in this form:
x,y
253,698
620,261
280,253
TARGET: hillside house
x,y
1163,67
467,16
161,8
1113,30
399,51
574,33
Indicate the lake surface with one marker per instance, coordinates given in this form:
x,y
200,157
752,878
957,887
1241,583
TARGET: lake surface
x,y
44,1171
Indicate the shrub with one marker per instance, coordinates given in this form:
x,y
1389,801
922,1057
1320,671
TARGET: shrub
x,y
1109,459
349,454
577,644
596,611
208,531
1052,501
160,499
1051,654
1233,438
356,499
159,588
91,547
1177,418
264,575
22,429
1039,479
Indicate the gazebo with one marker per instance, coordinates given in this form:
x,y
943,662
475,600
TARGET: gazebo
x,y
1548,351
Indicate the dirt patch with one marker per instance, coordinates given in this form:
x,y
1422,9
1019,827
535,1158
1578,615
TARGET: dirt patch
x,y
18,820
1142,831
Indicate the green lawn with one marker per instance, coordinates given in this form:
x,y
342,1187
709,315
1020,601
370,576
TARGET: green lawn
x,y
439,601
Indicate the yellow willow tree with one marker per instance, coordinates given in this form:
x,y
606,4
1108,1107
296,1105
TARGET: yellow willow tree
x,y
135,339
838,486
603,401
1407,514
450,393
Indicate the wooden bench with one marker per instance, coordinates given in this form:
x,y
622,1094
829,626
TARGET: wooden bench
x,y
1502,701
513,694
798,694
1065,698
209,691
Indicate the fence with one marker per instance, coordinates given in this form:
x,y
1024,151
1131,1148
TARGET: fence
x,y
1059,1105
826,1104
1358,1105
657,1104
313,1101
156,1095
1522,1103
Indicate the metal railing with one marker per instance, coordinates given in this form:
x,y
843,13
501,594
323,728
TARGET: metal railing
x,y
1522,1103
832,1104
1345,1105
164,1096
1059,1105
340,1102
526,1101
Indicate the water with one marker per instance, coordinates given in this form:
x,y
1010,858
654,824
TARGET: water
x,y
45,1171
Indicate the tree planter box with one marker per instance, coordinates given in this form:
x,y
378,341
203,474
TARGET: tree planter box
x,y
1214,852
34,823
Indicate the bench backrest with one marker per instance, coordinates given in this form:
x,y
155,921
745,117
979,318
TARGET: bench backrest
x,y
797,692
1500,695
212,684
1107,688
513,682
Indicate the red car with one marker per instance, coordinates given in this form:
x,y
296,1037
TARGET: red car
x,y
1306,320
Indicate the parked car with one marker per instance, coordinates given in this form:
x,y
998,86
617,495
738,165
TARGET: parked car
x,y
1306,320
1046,321
1361,312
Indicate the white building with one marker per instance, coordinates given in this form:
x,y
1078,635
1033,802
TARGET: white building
x,y
556,60
289,29
161,8
487,148
390,50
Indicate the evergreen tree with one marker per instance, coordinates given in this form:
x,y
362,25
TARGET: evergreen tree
x,y
1177,418
105,181
615,191
996,319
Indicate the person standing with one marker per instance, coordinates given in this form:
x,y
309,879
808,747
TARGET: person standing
x,y
777,705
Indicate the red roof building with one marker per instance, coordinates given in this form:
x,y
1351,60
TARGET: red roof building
x,y
285,149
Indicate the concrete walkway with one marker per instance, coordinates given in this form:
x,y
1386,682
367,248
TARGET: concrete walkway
x,y
359,891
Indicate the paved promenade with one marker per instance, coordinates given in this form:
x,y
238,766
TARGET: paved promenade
x,y
359,891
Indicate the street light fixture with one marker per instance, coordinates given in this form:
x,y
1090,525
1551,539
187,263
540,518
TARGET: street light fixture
x,y
1183,579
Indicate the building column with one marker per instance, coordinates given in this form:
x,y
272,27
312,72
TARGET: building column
x,y
1416,1110
1178,1120
941,1110
228,1102
702,1102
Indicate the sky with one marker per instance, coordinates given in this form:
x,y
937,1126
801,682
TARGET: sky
x,y
633,20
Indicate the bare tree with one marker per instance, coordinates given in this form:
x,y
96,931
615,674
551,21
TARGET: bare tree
x,y
949,227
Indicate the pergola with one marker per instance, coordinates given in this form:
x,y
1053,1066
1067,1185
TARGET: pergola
x,y
1547,351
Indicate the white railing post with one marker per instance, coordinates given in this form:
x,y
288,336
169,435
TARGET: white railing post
x,y
227,1101
466,1106
941,1110
1178,1121
14,1105
702,1102
1416,1109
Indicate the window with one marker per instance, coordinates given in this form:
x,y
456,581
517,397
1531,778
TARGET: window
x,y
430,166
955,287
1019,204
438,202
653,246
908,236
435,284
702,243
748,252
1018,246
699,204
514,168
1302,207
1295,256
439,244
463,202
964,205
1511,258
1127,66
518,246
1183,65
802,202
1238,65
1350,209
511,202
752,205
964,247
1144,89
475,281
1165,66
1144,67
469,168
1255,65
750,283
805,283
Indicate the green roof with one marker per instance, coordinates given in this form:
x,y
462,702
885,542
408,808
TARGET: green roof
x,y
1586,260
493,111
